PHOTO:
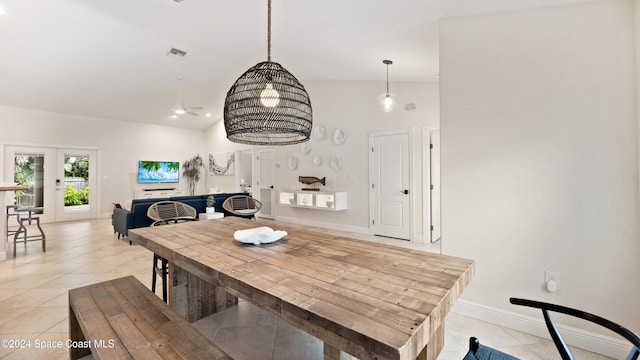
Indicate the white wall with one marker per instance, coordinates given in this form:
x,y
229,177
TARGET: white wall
x,y
121,145
636,6
540,155
352,107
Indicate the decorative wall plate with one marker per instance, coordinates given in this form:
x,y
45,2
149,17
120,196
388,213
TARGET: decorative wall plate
x,y
305,148
292,162
338,137
317,160
320,132
336,162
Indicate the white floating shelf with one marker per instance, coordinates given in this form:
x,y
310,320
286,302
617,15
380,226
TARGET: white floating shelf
x,y
321,200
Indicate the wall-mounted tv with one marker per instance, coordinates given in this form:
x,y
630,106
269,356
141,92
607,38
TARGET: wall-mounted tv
x,y
158,172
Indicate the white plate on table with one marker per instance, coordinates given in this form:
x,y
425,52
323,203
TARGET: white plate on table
x,y
259,235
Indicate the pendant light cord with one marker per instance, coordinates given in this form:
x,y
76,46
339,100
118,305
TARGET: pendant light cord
x,y
269,32
387,76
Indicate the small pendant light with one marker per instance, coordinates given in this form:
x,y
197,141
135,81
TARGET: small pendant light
x,y
387,101
179,109
267,105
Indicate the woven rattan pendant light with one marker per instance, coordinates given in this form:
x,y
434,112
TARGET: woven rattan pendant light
x,y
267,105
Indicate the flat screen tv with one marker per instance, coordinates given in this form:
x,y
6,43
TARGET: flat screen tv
x,y
158,172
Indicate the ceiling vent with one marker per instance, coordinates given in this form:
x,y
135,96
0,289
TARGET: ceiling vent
x,y
177,53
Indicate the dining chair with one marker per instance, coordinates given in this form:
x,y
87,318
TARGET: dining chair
x,y
480,352
242,205
164,213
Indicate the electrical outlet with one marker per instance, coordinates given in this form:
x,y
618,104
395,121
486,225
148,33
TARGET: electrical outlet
x,y
552,281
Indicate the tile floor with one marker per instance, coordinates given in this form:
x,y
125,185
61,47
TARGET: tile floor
x,y
33,303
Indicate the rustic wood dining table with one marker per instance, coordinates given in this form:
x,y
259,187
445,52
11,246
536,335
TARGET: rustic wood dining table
x,y
369,300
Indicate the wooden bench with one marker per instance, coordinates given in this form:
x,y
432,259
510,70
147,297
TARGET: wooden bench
x,y
122,319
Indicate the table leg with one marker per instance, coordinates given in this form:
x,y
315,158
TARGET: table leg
x,y
434,346
195,298
331,353
75,334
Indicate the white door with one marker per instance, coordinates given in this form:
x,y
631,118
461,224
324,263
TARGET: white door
x,y
436,231
391,185
264,190
43,171
244,171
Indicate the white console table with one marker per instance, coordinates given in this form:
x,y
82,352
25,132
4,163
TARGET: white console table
x,y
4,244
152,194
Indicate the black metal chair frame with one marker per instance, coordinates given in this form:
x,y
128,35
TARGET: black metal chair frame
x,y
561,345
11,211
25,214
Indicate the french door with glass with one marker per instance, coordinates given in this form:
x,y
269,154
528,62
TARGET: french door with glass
x,y
62,181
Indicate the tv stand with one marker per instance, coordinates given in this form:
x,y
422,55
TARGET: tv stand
x,y
158,193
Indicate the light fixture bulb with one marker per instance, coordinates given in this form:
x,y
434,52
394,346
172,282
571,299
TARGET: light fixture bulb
x,y
179,109
269,97
388,102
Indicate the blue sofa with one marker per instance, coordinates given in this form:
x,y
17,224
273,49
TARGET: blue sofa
x,y
123,220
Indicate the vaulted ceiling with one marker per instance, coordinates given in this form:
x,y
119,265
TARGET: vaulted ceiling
x,y
108,58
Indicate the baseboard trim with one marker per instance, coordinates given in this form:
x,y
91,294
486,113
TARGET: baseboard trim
x,y
326,225
597,343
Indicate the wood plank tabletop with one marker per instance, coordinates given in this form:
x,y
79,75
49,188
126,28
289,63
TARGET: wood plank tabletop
x,y
360,297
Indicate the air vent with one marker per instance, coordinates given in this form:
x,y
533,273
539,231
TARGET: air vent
x,y
176,53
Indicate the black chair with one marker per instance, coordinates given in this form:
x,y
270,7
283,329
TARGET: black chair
x,y
561,345
164,213
480,352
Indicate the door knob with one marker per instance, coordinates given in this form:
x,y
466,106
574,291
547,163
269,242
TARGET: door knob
x,y
405,191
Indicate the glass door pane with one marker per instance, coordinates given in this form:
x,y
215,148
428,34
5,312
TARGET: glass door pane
x,y
34,168
29,172
75,184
